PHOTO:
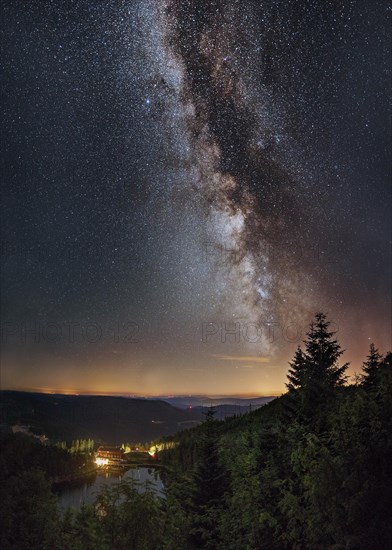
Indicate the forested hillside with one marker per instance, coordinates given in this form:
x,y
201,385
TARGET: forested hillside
x,y
108,420
310,470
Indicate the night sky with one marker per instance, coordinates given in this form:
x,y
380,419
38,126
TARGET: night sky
x,y
184,184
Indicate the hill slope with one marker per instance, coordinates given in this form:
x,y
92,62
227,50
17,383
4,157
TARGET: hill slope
x,y
109,420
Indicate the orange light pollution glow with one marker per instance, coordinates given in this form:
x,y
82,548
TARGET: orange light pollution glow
x,y
212,374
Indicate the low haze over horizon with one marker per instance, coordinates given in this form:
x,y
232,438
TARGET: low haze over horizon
x,y
75,392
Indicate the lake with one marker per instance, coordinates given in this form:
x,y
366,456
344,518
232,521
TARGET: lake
x,y
87,492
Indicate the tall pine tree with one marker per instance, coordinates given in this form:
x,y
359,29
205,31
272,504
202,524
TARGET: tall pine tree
x,y
315,372
208,489
297,371
371,367
322,352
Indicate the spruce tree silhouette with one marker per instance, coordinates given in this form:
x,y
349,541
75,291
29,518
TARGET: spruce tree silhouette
x,y
208,488
297,371
315,372
371,367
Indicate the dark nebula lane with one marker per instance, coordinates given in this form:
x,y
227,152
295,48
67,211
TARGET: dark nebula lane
x,y
185,183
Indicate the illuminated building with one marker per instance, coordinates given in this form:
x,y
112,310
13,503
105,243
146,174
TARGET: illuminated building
x,y
109,455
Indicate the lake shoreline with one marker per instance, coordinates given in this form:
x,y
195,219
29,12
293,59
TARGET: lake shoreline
x,y
77,479
81,490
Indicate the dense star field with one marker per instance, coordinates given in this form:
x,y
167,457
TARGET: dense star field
x,y
185,184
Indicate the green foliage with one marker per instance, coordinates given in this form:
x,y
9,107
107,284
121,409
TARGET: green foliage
x,y
371,367
312,469
207,489
80,446
20,452
28,511
315,373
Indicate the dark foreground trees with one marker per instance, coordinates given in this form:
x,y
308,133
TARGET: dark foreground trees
x,y
313,469
28,513
310,470
206,490
315,373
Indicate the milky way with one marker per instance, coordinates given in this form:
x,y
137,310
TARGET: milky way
x,y
195,180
